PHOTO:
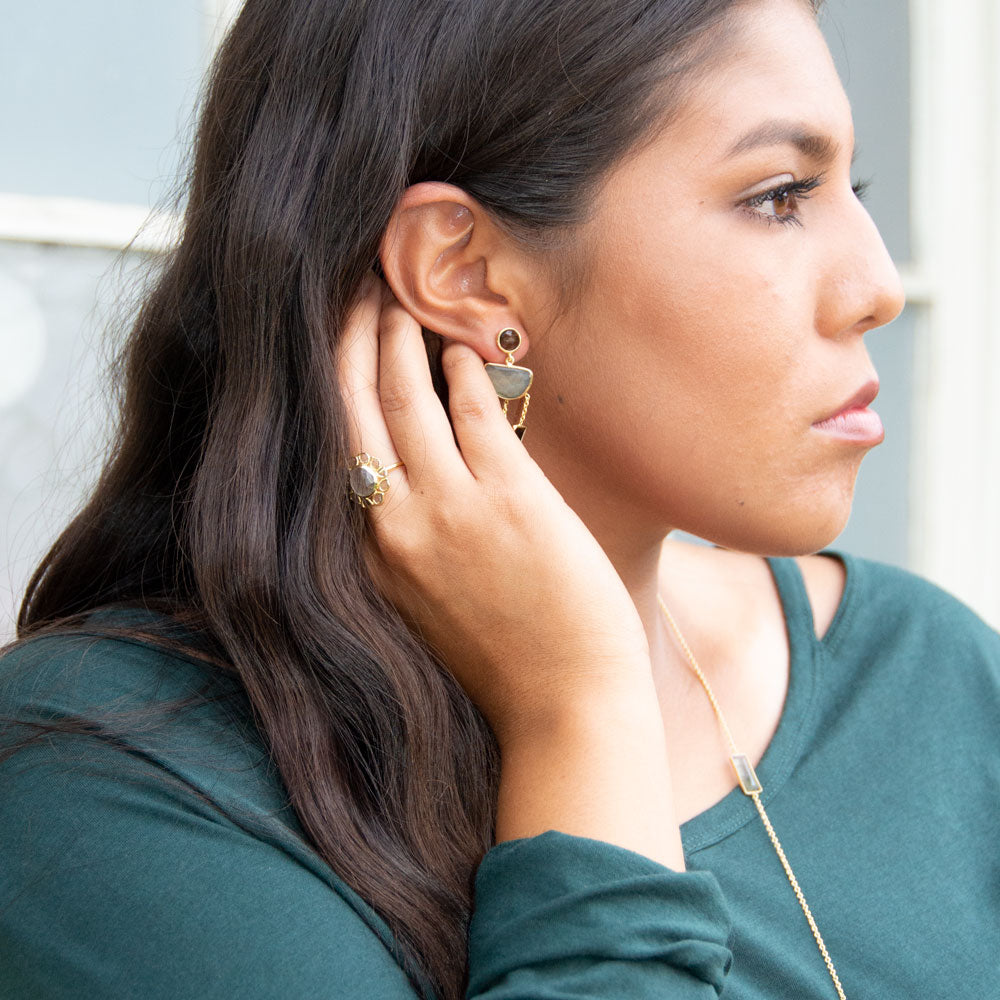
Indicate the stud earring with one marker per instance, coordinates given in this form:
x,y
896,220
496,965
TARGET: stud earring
x,y
509,380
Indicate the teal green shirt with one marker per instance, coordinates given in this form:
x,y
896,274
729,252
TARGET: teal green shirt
x,y
882,782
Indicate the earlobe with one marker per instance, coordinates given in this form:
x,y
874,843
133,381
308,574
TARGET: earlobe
x,y
446,261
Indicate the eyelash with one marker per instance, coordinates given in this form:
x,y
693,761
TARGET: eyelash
x,y
800,190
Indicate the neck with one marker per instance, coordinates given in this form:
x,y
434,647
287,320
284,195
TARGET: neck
x,y
634,541
638,558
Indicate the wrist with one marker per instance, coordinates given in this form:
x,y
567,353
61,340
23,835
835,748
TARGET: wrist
x,y
598,712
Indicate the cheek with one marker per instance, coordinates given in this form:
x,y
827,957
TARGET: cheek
x,y
671,369
696,376
700,336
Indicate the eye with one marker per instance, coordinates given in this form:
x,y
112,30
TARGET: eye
x,y
781,204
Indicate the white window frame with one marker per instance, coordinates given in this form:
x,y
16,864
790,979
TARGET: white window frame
x,y
955,478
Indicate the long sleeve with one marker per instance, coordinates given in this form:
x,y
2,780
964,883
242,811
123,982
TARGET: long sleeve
x,y
171,867
559,917
117,884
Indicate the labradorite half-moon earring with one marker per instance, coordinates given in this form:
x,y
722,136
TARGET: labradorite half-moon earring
x,y
511,381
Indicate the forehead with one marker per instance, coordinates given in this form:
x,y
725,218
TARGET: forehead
x,y
769,71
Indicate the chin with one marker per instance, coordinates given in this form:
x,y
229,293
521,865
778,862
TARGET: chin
x,y
782,531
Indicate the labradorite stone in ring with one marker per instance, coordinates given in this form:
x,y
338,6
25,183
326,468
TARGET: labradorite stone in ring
x,y
363,480
509,340
509,381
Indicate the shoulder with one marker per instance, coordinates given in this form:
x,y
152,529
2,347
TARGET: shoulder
x,y
894,606
860,596
879,601
121,881
905,596
182,815
114,658
918,651
137,683
115,685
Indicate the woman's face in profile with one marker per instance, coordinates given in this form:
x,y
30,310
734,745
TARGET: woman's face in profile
x,y
733,274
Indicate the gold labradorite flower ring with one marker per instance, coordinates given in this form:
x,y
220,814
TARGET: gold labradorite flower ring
x,y
368,480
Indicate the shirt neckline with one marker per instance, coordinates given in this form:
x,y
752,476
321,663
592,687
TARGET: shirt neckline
x,y
735,810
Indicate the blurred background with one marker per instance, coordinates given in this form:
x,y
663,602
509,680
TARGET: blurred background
x,y
95,115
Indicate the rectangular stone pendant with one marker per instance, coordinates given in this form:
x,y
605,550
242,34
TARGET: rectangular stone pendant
x,y
745,772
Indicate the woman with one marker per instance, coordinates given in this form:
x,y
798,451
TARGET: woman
x,y
339,686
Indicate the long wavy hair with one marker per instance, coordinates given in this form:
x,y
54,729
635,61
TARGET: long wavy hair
x,y
223,500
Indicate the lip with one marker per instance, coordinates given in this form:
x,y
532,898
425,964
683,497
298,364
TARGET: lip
x,y
853,421
861,400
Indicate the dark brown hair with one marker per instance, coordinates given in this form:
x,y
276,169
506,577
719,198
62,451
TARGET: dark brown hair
x,y
223,502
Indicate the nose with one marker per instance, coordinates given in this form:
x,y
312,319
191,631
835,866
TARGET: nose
x,y
864,289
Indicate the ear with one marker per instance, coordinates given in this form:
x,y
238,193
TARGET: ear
x,y
452,268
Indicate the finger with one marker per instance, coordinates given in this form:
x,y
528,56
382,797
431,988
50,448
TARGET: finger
x,y
357,370
414,415
488,442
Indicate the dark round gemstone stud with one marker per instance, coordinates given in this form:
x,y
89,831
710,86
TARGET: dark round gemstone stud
x,y
509,340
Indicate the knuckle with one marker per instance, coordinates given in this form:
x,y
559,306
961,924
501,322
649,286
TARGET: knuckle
x,y
451,524
454,361
398,544
471,409
398,395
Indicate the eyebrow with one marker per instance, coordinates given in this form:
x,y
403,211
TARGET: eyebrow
x,y
778,132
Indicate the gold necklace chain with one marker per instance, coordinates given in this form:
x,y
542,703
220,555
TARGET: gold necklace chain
x,y
753,788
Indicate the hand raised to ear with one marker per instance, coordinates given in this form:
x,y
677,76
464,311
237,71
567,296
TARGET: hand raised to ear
x,y
472,543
